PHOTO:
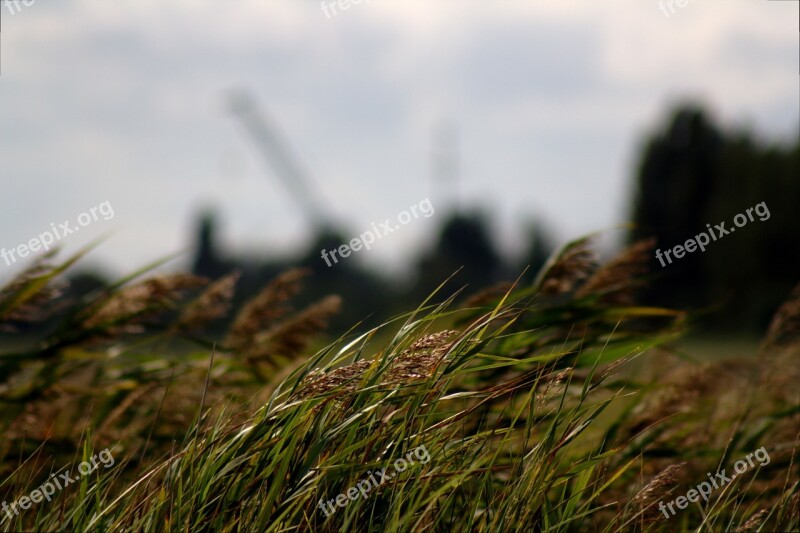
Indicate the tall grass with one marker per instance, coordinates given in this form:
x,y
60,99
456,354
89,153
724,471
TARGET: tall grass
x,y
523,397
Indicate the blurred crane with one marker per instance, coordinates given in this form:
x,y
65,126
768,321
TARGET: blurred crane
x,y
445,167
277,153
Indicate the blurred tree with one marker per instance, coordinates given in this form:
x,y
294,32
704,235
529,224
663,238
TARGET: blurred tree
x,y
367,297
540,246
692,174
207,260
465,242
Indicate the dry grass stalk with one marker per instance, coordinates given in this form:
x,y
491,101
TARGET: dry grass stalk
x,y
38,305
612,368
344,380
785,326
661,485
550,383
615,281
126,310
682,390
292,337
416,362
212,304
419,360
794,506
262,310
132,398
566,272
754,522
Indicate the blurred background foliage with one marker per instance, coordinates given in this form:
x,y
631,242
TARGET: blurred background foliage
x,y
690,172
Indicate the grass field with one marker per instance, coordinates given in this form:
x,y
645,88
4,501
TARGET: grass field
x,y
559,406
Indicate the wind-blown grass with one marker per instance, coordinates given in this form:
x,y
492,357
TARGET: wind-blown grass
x,y
521,397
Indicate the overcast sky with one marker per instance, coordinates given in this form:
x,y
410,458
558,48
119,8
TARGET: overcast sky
x,y
123,102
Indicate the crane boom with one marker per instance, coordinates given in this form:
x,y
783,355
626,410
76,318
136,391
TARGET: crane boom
x,y
276,152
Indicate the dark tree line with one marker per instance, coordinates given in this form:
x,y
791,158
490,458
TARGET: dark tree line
x,y
693,173
690,173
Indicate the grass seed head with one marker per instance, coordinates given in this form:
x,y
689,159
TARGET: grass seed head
x,y
567,270
419,361
262,310
37,306
126,310
785,326
615,281
754,522
212,304
291,337
645,502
